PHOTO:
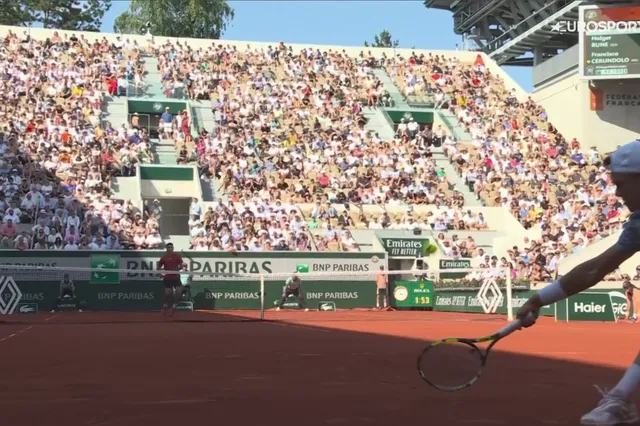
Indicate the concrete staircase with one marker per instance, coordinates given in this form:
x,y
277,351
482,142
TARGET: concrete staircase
x,y
165,152
153,78
377,122
202,115
115,110
209,189
390,86
125,188
450,120
442,161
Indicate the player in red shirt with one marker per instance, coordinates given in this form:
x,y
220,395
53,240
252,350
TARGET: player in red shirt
x,y
171,261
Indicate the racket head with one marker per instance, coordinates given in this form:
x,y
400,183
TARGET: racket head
x,y
451,365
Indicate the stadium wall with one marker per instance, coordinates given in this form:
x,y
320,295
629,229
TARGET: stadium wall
x,y
214,263
597,113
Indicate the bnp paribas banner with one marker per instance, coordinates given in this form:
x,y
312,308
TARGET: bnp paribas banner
x,y
141,264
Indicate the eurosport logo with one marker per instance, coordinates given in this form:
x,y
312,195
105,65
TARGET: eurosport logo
x,y
594,26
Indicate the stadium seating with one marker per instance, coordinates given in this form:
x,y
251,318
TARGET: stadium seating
x,y
59,157
294,158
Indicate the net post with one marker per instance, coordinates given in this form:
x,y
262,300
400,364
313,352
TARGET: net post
x,y
262,297
509,295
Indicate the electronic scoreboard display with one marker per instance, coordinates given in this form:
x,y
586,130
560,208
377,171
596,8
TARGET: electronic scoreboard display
x,y
609,42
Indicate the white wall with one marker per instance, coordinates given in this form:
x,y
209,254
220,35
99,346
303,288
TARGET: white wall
x,y
617,123
568,103
168,189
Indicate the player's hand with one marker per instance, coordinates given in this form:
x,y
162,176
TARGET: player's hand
x,y
528,313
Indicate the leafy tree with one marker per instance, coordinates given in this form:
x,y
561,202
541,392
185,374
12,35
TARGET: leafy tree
x,y
383,39
85,15
176,18
13,12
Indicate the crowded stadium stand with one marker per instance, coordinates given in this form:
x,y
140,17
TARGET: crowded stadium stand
x,y
235,146
541,156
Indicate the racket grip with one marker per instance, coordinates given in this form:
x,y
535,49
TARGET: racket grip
x,y
514,326
510,328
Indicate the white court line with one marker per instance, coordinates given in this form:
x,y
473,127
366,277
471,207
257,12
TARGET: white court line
x,y
16,333
76,400
44,401
304,327
174,401
52,317
117,420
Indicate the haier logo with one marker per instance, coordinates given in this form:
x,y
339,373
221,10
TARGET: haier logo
x,y
588,308
618,302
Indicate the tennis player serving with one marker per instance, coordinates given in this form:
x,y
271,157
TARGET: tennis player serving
x,y
171,261
293,286
624,164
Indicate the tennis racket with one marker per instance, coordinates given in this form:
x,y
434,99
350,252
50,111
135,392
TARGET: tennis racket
x,y
454,364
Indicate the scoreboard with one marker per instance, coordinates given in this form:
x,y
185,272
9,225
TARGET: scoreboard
x,y
609,42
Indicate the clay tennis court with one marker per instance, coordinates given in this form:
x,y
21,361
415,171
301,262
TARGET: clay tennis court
x,y
297,368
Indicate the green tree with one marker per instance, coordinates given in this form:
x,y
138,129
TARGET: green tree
x,y
78,15
383,39
176,18
13,12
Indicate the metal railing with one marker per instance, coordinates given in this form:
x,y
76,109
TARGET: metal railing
x,y
181,93
133,90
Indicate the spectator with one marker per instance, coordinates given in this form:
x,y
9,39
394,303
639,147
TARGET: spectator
x,y
58,161
254,226
516,159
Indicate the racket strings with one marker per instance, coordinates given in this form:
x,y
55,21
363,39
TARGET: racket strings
x,y
451,365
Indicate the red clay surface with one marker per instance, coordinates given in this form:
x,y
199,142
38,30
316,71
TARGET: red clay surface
x,y
298,368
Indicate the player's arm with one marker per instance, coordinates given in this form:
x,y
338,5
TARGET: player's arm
x,y
587,274
160,266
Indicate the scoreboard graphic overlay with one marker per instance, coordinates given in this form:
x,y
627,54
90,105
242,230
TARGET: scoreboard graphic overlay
x,y
609,42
